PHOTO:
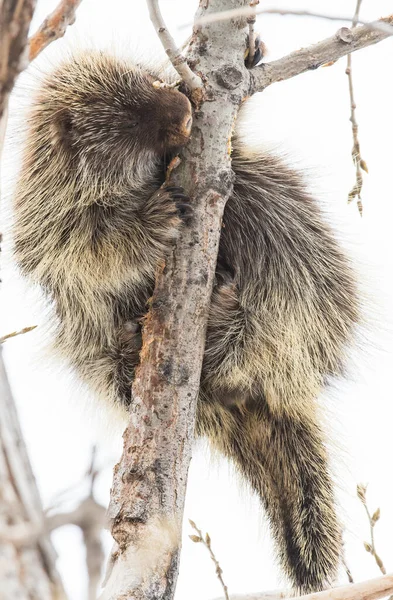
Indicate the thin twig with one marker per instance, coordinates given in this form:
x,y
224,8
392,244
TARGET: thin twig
x,y
249,11
207,543
15,333
372,519
359,163
53,27
177,59
329,50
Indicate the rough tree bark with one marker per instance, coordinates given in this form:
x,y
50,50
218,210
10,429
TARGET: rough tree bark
x,y
150,480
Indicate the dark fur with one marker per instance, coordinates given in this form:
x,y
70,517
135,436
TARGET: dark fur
x,y
91,226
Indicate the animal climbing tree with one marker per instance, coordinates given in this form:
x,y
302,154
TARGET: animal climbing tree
x,y
158,439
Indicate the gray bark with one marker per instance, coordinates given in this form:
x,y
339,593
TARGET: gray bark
x,y
150,480
342,43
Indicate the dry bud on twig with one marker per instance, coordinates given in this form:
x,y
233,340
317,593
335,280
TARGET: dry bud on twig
x,y
207,543
372,519
359,162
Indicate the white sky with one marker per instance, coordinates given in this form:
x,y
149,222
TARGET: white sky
x,y
308,118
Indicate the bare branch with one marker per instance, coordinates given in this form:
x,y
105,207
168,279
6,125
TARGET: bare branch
x,y
274,595
90,517
356,156
373,589
15,19
177,59
248,12
95,557
27,566
329,50
88,511
7,336
15,52
19,535
54,27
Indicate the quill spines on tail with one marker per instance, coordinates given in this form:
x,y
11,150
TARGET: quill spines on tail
x,y
92,223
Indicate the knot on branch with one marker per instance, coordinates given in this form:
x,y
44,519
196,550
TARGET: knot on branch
x,y
344,35
229,77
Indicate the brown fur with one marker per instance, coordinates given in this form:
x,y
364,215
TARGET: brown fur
x,y
91,226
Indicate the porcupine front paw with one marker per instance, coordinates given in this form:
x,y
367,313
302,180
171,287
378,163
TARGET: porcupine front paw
x,y
165,212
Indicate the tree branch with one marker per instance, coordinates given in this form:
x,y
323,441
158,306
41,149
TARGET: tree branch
x,y
149,485
275,595
373,589
15,19
175,56
331,49
27,566
15,52
54,27
356,155
248,11
90,517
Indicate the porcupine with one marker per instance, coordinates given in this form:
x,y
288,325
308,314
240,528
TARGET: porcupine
x,y
92,222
